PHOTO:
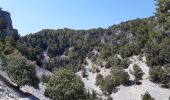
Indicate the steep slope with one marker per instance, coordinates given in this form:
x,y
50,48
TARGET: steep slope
x,y
67,48
107,52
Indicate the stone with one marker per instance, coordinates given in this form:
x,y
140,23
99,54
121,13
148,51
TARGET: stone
x,y
6,16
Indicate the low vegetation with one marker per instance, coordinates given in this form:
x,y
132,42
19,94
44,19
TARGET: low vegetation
x,y
138,73
147,96
65,85
21,71
160,75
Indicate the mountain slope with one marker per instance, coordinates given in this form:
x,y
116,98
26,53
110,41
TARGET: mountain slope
x,y
67,48
109,61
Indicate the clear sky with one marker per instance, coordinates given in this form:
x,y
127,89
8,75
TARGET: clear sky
x,y
30,16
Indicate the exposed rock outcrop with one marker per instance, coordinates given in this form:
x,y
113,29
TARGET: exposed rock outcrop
x,y
5,22
7,18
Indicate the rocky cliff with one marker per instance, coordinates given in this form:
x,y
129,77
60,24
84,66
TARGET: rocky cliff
x,y
5,22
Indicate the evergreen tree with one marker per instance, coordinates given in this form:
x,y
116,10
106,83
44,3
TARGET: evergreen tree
x,y
65,85
20,70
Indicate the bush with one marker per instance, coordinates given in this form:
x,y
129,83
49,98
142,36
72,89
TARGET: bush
x,y
99,80
21,71
108,85
93,96
138,73
120,76
45,78
125,63
109,98
108,65
65,85
155,73
160,75
128,50
147,96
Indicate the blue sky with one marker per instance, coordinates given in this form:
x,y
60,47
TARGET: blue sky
x,y
30,16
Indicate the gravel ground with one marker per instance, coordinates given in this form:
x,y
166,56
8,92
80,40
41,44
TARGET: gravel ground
x,y
133,92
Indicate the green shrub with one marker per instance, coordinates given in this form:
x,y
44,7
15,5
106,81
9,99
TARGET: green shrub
x,y
125,63
99,80
109,98
20,70
147,96
138,73
160,75
93,95
120,76
45,78
108,85
65,85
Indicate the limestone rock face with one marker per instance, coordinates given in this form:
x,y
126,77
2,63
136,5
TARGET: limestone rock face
x,y
5,22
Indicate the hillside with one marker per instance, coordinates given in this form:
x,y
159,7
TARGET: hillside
x,y
66,48
69,49
130,60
